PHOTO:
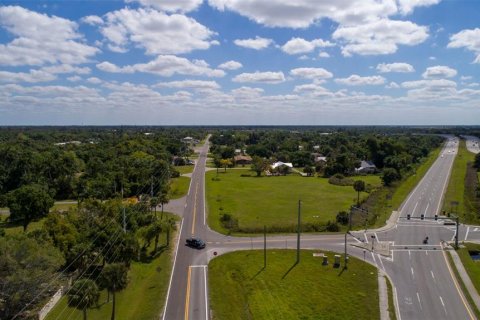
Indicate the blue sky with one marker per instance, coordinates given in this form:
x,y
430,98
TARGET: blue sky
x,y
215,62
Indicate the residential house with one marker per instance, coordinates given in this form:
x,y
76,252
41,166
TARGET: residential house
x,y
366,167
242,160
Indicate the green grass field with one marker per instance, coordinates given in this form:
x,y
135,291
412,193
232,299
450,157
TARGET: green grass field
x,y
273,200
179,187
184,169
241,289
456,185
143,299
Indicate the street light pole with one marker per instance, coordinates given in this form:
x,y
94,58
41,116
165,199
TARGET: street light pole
x,y
346,258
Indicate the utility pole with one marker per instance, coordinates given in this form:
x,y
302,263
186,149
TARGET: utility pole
x,y
264,247
124,218
346,259
151,187
298,231
124,221
456,233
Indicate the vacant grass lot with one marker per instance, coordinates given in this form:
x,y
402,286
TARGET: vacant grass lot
x,y
143,299
184,169
241,289
456,184
259,201
179,187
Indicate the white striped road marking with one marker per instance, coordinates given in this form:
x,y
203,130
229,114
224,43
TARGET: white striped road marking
x,y
466,234
433,276
419,302
443,304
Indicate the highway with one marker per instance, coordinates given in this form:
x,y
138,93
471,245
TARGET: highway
x,y
424,287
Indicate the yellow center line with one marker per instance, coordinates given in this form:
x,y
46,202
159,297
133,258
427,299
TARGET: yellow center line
x,y
187,295
457,286
194,210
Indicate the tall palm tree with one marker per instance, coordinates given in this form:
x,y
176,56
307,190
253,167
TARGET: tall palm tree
x,y
359,186
84,294
114,278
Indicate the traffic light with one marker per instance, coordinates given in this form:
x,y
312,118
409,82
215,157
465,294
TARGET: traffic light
x,y
422,216
436,217
408,216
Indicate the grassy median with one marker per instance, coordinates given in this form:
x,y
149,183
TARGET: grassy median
x,y
456,191
273,201
241,289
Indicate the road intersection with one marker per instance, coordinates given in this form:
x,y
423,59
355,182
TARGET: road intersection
x,y
424,285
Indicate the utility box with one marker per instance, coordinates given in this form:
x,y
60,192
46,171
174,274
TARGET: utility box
x,y
336,264
325,261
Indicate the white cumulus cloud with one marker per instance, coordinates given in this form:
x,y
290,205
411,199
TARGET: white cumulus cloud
x,y
166,66
311,73
379,37
258,43
299,45
230,65
192,84
265,77
356,80
439,72
32,76
395,67
468,39
170,5
39,39
155,31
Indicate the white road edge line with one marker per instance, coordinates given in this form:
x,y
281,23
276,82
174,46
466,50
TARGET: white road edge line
x,y
466,234
173,270
206,296
396,304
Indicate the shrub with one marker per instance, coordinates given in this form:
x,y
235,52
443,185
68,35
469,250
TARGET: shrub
x,y
332,226
340,180
229,222
342,218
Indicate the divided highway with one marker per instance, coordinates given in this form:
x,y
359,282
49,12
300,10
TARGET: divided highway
x,y
423,282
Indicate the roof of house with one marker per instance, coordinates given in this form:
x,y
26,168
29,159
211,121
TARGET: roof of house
x,y
240,158
280,163
366,165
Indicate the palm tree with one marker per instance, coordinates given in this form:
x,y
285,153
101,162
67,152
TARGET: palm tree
x,y
359,186
167,227
114,277
163,198
84,294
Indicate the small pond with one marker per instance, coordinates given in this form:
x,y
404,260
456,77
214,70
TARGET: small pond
x,y
475,255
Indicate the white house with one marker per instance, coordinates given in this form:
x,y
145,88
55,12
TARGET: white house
x,y
281,164
366,167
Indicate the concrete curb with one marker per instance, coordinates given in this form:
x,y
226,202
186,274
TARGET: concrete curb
x,y
383,296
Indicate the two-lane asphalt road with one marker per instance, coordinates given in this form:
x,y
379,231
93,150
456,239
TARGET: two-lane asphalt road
x,y
187,291
424,287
